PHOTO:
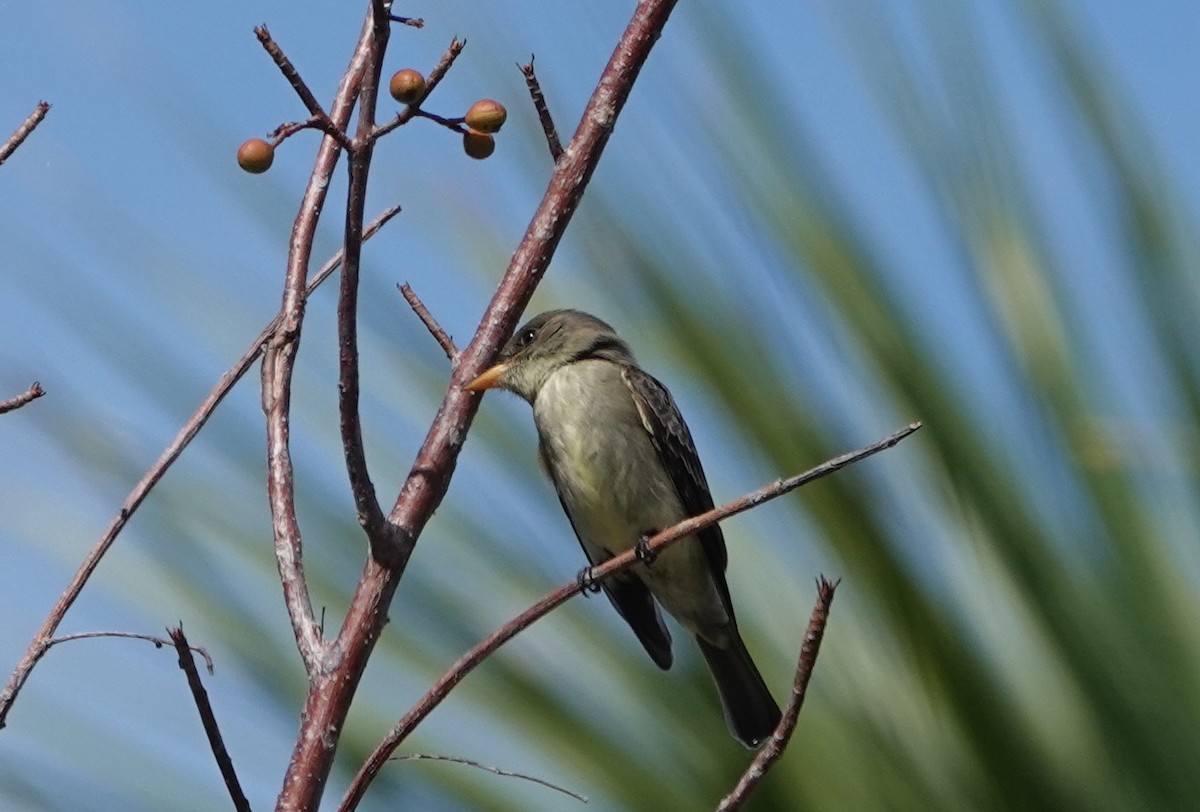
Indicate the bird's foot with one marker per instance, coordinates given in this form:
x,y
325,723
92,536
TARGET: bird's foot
x,y
587,581
643,552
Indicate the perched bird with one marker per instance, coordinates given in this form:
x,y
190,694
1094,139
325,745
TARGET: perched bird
x,y
625,467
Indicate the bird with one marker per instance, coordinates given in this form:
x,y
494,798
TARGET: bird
x,y
625,467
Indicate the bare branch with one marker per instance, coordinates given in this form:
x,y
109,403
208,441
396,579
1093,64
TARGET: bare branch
x,y
543,111
34,392
771,753
439,335
562,594
209,720
288,129
332,682
431,81
321,119
21,133
157,641
495,770
43,639
380,534
279,360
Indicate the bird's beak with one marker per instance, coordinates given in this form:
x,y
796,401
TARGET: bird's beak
x,y
490,379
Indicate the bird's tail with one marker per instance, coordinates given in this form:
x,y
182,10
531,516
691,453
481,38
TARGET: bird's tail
x,y
750,711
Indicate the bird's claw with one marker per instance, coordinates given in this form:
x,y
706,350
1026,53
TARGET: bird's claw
x,y
587,581
643,552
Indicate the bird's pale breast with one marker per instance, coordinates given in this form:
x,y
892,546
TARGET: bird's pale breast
x,y
614,486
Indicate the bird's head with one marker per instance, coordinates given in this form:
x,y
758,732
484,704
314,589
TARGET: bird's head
x,y
546,343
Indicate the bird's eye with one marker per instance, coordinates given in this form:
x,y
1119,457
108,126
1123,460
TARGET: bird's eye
x,y
526,337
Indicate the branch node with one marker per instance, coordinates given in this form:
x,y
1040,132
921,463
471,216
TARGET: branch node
x,y
288,129
320,119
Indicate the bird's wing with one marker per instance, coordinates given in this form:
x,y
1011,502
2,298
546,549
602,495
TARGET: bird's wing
x,y
673,442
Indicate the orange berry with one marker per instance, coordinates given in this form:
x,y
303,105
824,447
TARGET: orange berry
x,y
478,145
407,86
486,116
256,156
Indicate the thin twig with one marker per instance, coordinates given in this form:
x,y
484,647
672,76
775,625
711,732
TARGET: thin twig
x,y
543,111
415,22
431,81
323,121
157,641
43,638
439,335
770,754
21,133
209,720
672,535
455,124
495,770
288,129
34,392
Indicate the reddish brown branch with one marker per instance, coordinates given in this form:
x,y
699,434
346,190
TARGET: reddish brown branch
x,y
34,392
380,534
288,129
321,119
431,81
21,133
209,720
543,111
556,598
439,335
279,360
334,679
44,637
770,754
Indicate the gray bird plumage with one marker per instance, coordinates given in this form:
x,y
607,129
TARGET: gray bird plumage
x,y
624,465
